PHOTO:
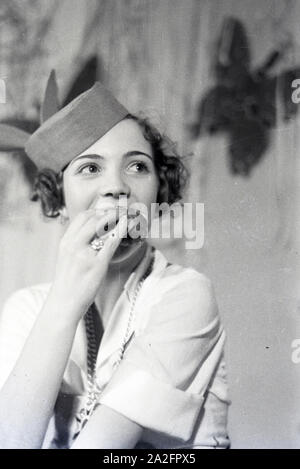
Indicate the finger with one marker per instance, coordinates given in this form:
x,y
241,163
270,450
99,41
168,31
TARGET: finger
x,y
78,222
93,228
112,241
106,223
119,209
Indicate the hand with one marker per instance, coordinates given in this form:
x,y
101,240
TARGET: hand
x,y
80,269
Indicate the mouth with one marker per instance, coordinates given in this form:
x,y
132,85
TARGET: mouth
x,y
120,208
131,235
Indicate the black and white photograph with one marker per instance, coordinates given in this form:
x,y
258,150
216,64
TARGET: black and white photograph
x,y
149,226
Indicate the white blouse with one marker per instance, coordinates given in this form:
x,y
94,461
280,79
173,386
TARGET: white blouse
x,y
172,378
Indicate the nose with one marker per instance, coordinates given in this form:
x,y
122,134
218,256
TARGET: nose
x,y
114,186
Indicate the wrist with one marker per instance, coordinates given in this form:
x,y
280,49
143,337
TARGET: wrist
x,y
63,308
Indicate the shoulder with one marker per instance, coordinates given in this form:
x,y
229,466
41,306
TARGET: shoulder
x,y
173,276
186,280
183,292
28,300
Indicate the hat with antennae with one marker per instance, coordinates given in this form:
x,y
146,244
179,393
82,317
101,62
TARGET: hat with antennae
x,y
64,134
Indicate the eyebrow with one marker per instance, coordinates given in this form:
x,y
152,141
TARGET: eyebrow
x,y
95,156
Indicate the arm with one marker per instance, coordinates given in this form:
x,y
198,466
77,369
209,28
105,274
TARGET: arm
x,y
108,429
27,399
28,396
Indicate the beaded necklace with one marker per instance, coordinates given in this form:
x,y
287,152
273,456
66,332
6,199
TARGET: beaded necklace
x,y
93,389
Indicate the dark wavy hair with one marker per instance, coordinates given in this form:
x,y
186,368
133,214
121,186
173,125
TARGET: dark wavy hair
x,y
172,173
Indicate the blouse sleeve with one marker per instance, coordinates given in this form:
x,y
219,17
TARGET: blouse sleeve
x,y
162,381
16,321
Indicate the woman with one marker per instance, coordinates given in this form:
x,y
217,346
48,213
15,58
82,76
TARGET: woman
x,y
122,350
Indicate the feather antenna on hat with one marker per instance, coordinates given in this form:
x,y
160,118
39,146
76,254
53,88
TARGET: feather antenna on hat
x,y
15,132
12,138
50,103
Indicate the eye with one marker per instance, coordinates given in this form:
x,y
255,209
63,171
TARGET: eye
x,y
90,168
139,167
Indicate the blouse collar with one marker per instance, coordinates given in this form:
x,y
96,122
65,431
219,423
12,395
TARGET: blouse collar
x,y
139,272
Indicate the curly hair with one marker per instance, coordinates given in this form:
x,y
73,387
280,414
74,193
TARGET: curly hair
x,y
172,173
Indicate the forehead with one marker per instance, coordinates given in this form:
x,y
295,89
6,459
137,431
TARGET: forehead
x,y
125,136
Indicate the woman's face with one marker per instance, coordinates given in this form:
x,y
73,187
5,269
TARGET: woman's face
x,y
118,166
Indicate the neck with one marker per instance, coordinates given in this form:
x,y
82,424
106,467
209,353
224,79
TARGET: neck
x,y
114,281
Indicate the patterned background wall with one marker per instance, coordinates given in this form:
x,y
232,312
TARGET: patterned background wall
x,y
156,56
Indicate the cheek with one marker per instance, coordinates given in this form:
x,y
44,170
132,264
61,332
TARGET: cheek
x,y
76,200
149,190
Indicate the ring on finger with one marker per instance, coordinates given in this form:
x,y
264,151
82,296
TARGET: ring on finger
x,y
97,244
